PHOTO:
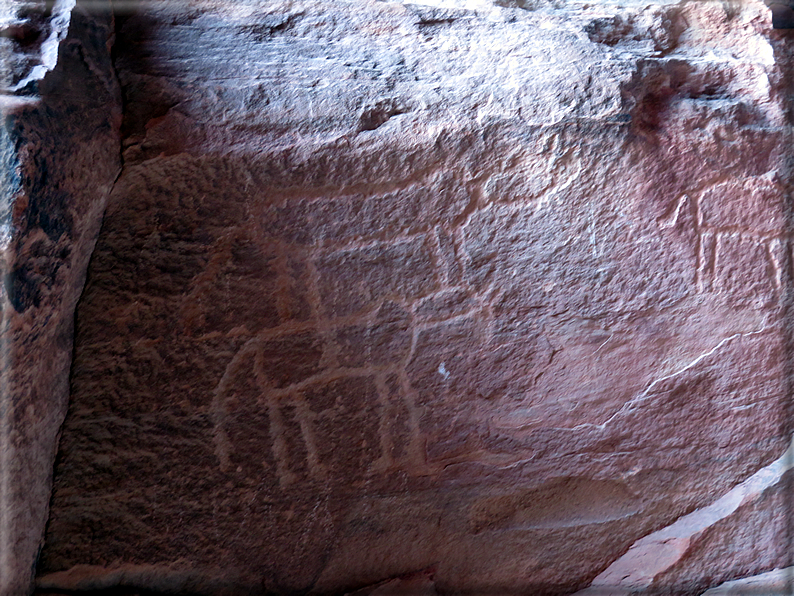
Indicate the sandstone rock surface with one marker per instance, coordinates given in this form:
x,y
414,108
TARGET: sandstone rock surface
x,y
742,532
489,290
777,581
59,156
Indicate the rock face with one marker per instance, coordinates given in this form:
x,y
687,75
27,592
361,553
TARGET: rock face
x,y
777,581
727,538
460,298
59,150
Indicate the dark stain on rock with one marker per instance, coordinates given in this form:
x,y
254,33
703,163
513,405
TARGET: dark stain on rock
x,y
271,24
432,16
50,213
376,116
22,287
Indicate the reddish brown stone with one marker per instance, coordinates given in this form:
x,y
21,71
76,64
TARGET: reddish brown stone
x,y
289,359
351,280
444,305
296,305
59,157
341,219
292,451
384,341
377,294
345,427
744,271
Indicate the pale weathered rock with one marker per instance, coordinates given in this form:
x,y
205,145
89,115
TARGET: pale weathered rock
x,y
416,584
386,287
777,581
742,532
60,155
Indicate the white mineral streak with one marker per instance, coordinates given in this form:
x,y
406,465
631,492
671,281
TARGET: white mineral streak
x,y
59,27
655,553
778,582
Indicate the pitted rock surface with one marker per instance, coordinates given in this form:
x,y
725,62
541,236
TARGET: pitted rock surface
x,y
467,297
59,156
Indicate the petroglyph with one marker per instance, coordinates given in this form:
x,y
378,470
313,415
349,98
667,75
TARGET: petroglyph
x,y
739,225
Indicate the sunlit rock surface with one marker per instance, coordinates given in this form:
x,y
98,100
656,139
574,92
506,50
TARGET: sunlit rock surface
x,y
465,298
747,527
777,581
59,156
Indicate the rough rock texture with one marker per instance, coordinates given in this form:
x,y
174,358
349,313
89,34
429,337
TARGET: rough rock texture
x,y
777,581
482,294
744,530
59,155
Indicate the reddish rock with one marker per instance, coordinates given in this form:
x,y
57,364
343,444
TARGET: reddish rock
x,y
741,533
344,429
59,157
483,291
386,340
289,359
354,279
